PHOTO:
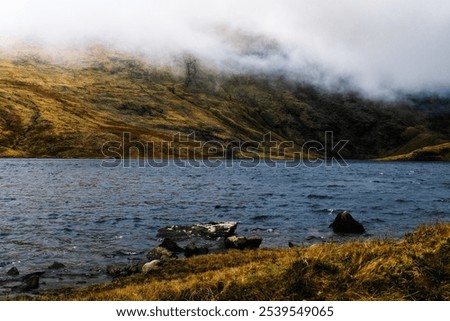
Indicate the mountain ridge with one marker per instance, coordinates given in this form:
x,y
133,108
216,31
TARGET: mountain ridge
x,y
50,109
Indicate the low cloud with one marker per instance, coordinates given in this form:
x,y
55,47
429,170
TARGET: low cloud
x,y
377,47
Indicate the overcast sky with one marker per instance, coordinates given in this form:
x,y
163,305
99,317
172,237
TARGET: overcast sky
x,y
379,46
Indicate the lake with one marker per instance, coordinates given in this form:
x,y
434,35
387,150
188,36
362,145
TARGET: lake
x,y
87,216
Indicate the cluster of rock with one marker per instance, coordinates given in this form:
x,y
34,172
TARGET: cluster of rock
x,y
29,281
220,235
209,230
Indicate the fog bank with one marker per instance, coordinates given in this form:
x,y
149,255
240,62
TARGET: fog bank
x,y
376,47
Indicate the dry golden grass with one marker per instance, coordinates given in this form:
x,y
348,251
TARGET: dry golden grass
x,y
414,268
49,109
439,152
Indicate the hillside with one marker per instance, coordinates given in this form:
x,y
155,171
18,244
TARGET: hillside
x,y
70,109
439,152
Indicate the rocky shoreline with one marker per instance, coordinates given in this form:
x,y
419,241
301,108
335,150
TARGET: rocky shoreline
x,y
177,241
187,241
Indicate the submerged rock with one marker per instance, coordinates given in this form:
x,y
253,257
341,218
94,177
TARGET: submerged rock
x,y
56,266
13,271
241,242
208,230
345,223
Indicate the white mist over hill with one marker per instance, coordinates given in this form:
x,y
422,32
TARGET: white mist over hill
x,y
377,47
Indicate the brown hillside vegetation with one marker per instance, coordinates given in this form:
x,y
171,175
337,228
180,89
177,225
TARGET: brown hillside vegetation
x,y
414,268
50,109
439,152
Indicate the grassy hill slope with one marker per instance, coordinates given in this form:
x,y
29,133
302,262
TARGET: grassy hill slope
x,y
439,152
50,109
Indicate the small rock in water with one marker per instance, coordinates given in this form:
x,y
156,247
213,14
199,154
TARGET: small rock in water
x,y
30,281
171,246
192,250
13,271
345,223
150,266
235,242
241,242
56,266
291,245
160,253
253,242
118,270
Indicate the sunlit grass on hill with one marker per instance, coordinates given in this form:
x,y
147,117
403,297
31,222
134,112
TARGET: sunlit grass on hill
x,y
439,152
51,108
414,268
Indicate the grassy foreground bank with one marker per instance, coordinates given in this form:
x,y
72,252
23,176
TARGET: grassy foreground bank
x,y
414,268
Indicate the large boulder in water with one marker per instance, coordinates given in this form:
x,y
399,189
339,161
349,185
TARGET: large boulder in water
x,y
345,223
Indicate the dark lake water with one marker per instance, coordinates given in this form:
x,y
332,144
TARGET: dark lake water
x,y
88,216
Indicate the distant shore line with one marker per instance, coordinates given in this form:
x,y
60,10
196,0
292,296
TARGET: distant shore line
x,y
433,153
388,159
